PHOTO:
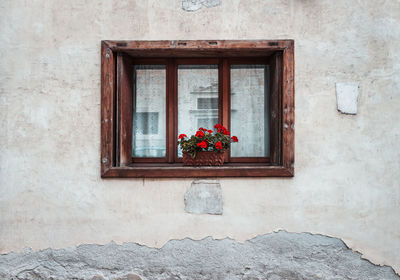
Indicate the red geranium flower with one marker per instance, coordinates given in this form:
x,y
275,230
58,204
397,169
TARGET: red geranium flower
x,y
235,139
200,134
210,131
218,145
223,130
182,136
202,128
202,144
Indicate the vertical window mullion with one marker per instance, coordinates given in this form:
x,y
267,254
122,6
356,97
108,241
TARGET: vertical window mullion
x,y
220,90
275,105
174,98
175,108
171,111
124,109
225,98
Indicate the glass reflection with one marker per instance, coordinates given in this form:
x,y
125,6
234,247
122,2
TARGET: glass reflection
x,y
149,94
197,98
250,110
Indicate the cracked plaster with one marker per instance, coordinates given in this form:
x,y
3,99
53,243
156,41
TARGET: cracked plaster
x,y
275,256
194,5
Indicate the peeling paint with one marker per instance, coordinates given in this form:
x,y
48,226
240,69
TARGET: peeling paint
x,y
279,255
194,5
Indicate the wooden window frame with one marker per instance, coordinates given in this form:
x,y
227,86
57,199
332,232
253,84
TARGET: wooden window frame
x,y
117,58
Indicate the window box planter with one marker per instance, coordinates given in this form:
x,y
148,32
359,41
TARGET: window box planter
x,y
207,158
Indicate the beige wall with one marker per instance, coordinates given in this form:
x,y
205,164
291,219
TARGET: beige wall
x,y
347,167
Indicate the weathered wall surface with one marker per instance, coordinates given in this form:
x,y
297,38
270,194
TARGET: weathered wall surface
x,y
275,256
346,183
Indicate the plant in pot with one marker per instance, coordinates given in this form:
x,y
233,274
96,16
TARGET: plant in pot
x,y
206,147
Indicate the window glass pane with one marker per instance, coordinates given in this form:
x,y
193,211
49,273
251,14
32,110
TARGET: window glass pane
x,y
146,123
197,98
149,94
250,110
207,103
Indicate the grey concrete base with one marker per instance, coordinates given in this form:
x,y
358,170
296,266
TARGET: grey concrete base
x,y
282,255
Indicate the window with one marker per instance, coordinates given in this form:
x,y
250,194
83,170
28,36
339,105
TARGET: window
x,y
154,90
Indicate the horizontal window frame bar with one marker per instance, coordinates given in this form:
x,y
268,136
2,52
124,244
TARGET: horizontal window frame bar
x,y
250,159
149,61
177,170
149,159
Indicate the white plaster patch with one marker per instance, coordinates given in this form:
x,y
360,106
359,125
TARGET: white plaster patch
x,y
194,5
204,197
347,97
39,114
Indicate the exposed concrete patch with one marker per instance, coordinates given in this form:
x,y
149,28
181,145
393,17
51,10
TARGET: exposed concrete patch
x,y
204,197
347,97
194,5
280,255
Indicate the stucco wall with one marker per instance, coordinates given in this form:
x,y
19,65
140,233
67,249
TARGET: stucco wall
x,y
347,167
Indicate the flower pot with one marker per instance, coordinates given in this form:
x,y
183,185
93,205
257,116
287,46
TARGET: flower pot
x,y
209,158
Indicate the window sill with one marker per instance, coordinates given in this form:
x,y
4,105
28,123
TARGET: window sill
x,y
177,170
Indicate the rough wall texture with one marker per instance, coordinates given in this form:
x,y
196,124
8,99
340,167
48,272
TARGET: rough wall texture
x,y
194,5
276,256
346,182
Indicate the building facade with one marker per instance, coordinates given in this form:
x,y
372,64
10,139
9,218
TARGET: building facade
x,y
339,216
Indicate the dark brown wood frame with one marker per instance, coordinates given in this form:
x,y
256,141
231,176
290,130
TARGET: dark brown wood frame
x,y
117,58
